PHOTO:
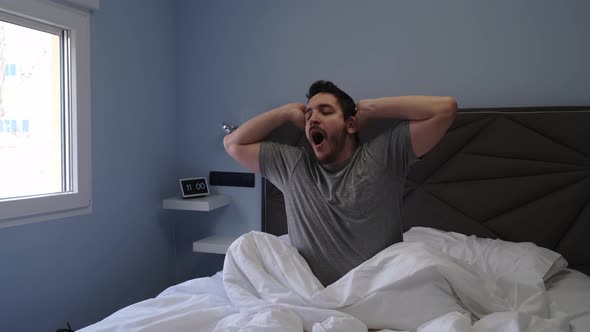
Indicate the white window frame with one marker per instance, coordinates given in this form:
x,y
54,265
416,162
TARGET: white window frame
x,y
19,211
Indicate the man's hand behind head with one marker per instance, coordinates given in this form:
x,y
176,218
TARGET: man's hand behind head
x,y
296,114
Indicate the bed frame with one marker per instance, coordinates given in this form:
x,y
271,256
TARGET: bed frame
x,y
517,174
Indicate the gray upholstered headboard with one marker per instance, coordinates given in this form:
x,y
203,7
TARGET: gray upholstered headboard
x,y
518,174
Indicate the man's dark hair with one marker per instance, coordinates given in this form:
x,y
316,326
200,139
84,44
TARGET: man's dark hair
x,y
344,100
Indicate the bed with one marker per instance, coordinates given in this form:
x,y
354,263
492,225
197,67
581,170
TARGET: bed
x,y
508,184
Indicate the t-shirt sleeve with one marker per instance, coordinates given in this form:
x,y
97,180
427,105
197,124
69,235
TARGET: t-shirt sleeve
x,y
393,149
277,162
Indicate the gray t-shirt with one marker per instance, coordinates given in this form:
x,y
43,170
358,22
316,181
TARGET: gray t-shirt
x,y
338,219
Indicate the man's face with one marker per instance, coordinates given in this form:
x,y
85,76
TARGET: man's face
x,y
325,127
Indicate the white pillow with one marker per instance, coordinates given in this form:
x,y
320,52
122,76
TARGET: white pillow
x,y
522,261
285,238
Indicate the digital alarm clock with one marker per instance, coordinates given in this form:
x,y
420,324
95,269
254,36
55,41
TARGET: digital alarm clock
x,y
194,187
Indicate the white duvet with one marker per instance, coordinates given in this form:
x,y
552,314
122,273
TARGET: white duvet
x,y
424,284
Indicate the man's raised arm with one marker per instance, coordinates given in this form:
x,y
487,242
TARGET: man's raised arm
x,y
429,116
243,144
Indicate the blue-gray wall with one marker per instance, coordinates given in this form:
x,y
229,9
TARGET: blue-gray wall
x,y
166,73
240,58
81,269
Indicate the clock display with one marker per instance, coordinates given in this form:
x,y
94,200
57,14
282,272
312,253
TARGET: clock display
x,y
194,187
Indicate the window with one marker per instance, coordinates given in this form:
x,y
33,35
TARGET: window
x,y
44,111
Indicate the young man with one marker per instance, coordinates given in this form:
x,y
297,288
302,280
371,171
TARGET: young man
x,y
343,200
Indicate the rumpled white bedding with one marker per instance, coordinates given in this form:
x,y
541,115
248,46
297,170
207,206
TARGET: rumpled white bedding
x,y
410,286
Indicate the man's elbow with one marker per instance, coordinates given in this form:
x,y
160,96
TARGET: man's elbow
x,y
444,113
449,107
227,143
233,149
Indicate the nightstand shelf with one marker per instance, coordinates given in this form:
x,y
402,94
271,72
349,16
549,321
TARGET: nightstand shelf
x,y
216,244
205,203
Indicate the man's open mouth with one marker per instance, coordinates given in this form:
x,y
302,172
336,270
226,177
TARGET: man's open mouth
x,y
317,137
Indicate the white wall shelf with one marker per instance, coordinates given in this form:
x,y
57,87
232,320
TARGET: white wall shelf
x,y
205,203
216,244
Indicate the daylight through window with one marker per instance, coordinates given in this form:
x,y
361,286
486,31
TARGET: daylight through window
x,y
33,111
44,111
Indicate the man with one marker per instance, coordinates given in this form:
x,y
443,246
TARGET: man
x,y
343,201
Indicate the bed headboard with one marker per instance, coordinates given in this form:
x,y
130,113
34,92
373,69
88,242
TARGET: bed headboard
x,y
517,174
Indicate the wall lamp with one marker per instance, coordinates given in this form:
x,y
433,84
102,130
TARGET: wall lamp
x,y
227,127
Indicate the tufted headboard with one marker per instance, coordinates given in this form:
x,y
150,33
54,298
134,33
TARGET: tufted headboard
x,y
518,174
